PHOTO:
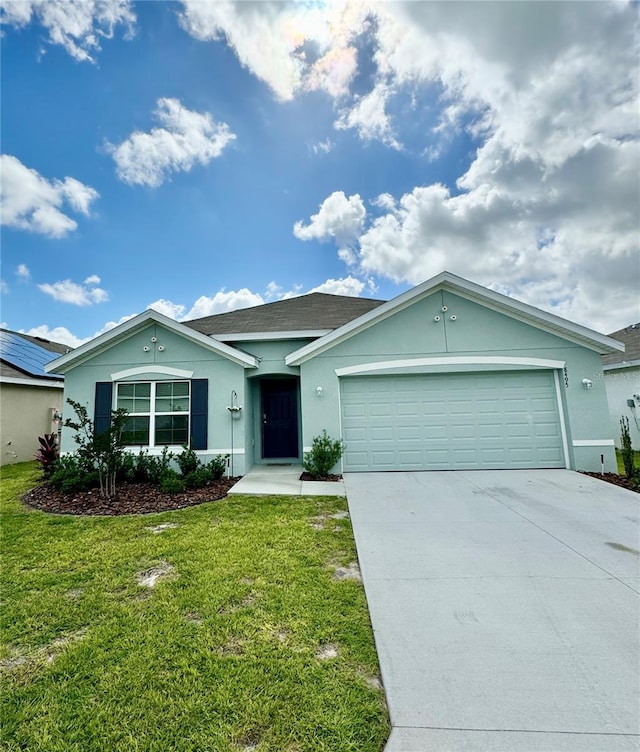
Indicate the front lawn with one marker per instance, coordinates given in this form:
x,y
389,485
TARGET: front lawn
x,y
227,627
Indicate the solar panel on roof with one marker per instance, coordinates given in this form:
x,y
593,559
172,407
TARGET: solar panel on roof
x,y
25,355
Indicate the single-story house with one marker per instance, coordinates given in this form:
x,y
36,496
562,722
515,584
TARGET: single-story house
x,y
448,375
622,383
30,398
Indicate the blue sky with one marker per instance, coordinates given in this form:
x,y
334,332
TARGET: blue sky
x,y
198,157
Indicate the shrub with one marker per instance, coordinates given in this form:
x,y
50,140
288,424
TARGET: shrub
x,y
158,467
47,453
626,450
71,474
188,461
171,482
103,452
324,454
198,478
218,466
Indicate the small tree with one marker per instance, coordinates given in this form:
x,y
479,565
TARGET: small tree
x,y
324,454
103,452
626,450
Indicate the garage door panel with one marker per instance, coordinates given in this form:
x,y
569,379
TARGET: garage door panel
x,y
451,421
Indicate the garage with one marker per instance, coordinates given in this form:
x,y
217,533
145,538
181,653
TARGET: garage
x,y
452,421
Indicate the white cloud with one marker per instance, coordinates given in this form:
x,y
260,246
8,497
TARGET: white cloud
x,y
77,26
369,117
548,207
339,218
292,47
84,294
223,302
64,336
58,334
322,147
4,289
172,310
187,138
344,286
31,202
23,272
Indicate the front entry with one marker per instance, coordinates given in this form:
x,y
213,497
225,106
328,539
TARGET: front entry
x,y
279,414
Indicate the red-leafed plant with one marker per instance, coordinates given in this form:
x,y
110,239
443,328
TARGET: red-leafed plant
x,y
47,454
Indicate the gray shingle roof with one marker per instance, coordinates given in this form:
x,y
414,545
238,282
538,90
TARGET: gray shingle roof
x,y
630,336
312,312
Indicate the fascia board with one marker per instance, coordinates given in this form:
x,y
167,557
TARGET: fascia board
x,y
457,285
128,328
270,336
52,384
620,365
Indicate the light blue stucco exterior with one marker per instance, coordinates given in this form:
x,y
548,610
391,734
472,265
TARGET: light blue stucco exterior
x,y
442,332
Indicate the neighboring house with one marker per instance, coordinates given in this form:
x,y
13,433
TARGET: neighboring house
x,y
30,398
448,375
622,382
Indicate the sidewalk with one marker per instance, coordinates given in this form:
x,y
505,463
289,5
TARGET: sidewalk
x,y
284,480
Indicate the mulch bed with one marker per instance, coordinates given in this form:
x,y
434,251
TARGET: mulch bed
x,y
131,498
330,478
617,480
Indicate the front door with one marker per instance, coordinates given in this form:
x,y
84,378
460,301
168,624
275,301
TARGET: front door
x,y
279,418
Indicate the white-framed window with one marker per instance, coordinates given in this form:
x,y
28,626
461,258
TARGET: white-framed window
x,y
158,412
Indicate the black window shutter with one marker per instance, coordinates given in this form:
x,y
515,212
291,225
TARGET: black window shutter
x,y
199,413
102,414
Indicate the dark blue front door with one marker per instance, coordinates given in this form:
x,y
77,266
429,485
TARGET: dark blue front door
x,y
279,418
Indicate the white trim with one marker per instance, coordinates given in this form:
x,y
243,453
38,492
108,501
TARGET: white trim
x,y
563,427
32,382
622,364
139,370
449,361
451,283
130,327
265,336
593,442
157,450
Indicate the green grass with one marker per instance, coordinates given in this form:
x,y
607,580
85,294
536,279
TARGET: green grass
x,y
636,461
222,655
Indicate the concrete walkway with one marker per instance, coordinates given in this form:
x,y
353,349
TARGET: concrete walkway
x,y
505,608
283,480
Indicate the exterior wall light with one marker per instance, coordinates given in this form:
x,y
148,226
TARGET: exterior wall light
x,y
453,317
436,319
160,348
587,383
319,391
146,348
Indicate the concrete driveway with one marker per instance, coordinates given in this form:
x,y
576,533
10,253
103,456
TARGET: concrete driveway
x,y
505,607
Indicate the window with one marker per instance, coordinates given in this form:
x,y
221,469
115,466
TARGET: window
x,y
158,412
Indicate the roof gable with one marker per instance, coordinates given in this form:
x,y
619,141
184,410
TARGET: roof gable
x,y
446,281
123,331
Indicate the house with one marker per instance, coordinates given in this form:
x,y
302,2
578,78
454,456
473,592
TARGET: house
x,y
448,375
622,383
30,398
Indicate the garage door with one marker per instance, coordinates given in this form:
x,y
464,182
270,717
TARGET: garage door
x,y
451,421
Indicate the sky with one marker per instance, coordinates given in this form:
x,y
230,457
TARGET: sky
x,y
196,157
